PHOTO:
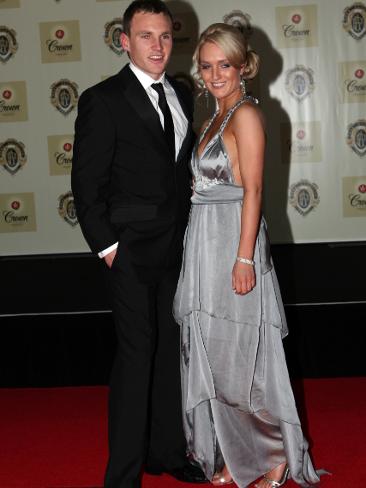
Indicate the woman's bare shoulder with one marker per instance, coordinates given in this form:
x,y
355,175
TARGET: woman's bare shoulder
x,y
248,113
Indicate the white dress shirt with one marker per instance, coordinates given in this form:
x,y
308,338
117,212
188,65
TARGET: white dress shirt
x,y
179,119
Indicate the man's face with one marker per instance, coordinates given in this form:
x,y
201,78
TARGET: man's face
x,y
150,42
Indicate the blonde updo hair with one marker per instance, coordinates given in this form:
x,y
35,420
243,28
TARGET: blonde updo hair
x,y
235,46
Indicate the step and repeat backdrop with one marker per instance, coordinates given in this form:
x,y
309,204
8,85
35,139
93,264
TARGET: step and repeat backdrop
x,y
311,88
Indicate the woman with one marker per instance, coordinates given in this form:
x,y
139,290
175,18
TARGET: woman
x,y
240,416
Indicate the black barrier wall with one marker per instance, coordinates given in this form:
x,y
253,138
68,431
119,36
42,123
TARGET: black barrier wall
x,y
56,327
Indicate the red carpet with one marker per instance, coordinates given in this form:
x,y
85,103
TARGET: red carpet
x,y
56,438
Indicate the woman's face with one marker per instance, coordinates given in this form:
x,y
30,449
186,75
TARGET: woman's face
x,y
220,77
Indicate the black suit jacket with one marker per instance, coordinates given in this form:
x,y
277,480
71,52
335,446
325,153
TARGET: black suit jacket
x,y
126,186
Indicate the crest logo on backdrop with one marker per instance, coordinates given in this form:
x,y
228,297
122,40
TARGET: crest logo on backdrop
x,y
64,96
299,82
60,41
354,196
17,212
13,101
66,208
240,20
12,155
8,43
354,20
304,196
356,137
112,35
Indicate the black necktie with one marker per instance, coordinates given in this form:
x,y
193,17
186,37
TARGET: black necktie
x,y
168,119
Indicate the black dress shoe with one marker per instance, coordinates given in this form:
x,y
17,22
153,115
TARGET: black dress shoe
x,y
188,473
153,469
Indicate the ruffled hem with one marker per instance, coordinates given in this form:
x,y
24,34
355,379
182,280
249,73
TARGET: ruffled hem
x,y
237,401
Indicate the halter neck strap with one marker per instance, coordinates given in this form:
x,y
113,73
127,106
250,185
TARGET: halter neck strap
x,y
227,116
232,110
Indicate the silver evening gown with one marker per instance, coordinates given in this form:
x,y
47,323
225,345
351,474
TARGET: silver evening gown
x,y
238,405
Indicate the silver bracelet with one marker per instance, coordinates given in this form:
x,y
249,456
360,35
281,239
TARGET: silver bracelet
x,y
245,261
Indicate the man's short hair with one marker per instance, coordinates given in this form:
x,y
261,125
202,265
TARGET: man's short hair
x,y
149,6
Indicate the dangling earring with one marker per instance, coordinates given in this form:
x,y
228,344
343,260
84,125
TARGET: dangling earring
x,y
205,94
243,86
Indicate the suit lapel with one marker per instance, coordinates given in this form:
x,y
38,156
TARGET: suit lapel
x,y
186,145
182,102
137,97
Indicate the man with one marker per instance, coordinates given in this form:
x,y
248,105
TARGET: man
x,y
130,181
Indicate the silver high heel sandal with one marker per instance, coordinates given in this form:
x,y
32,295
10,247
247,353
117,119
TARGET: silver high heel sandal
x,y
281,482
222,481
219,479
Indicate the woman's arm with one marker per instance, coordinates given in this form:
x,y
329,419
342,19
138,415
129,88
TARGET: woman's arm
x,y
248,131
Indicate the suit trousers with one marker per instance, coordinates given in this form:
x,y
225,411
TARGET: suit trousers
x,y
145,419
